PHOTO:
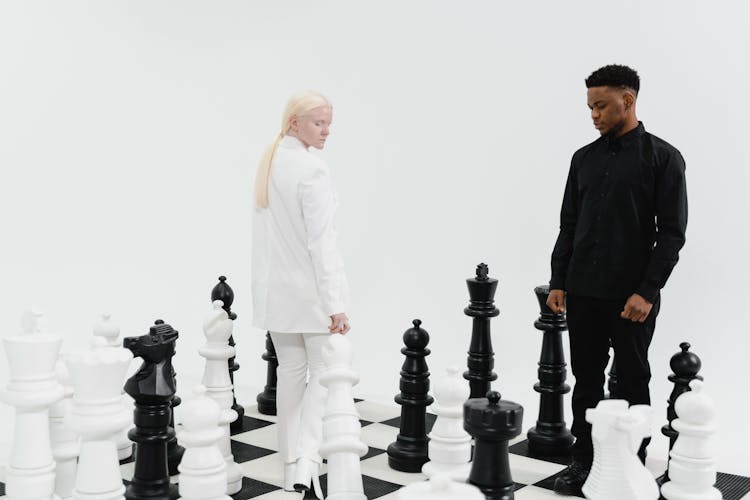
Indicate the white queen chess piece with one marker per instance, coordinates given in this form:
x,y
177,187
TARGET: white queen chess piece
x,y
440,487
617,432
692,468
65,446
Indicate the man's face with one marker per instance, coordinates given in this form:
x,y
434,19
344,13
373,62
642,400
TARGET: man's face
x,y
609,106
312,127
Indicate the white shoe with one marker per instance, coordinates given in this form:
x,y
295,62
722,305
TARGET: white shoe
x,y
289,476
307,471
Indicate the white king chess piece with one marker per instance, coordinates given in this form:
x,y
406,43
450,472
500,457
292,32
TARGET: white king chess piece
x,y
692,468
617,432
217,327
341,445
32,388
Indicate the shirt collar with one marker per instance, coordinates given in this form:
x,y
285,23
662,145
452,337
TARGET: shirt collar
x,y
625,139
291,142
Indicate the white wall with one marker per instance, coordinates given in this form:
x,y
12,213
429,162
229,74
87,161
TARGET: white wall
x,y
130,131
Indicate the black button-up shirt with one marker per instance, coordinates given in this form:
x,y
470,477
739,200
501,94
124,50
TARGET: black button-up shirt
x,y
623,218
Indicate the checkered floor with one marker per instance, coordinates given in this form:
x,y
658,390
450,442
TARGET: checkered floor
x,y
254,449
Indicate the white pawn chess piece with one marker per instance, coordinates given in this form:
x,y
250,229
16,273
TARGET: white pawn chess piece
x,y
217,327
65,447
440,487
692,468
341,444
107,336
98,377
32,388
617,432
449,449
203,471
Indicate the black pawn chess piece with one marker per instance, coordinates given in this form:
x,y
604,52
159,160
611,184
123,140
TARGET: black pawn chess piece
x,y
409,452
267,399
492,422
481,308
550,436
223,292
152,388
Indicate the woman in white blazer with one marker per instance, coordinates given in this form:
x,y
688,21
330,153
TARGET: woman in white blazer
x,y
298,281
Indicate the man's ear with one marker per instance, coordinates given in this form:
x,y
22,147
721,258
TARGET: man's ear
x,y
629,99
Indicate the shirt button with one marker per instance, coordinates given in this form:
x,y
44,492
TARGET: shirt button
x,y
598,217
602,195
606,174
596,262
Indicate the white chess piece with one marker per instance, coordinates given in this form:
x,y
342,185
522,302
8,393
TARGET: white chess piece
x,y
203,471
217,327
449,448
98,377
692,468
341,444
440,487
617,432
32,388
65,447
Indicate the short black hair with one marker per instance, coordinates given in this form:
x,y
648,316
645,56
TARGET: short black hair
x,y
614,75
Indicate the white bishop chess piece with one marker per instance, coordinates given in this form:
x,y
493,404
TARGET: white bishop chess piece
x,y
692,465
32,388
449,449
65,446
217,327
617,432
440,487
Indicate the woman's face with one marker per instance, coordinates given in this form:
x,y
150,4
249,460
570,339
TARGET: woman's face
x,y
312,127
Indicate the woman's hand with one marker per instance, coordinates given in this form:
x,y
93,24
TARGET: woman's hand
x,y
339,323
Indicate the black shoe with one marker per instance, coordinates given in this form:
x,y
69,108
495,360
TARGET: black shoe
x,y
571,480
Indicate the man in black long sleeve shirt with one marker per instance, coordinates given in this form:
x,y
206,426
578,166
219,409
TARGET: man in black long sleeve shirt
x,y
622,225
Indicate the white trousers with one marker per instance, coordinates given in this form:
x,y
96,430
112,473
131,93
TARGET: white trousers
x,y
300,402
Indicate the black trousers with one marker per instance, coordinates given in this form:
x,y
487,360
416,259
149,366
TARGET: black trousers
x,y
592,325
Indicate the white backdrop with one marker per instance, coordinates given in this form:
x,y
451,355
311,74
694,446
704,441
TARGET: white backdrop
x,y
130,132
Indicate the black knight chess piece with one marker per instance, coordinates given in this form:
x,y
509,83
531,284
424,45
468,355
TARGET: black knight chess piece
x,y
409,452
267,399
481,359
152,388
550,436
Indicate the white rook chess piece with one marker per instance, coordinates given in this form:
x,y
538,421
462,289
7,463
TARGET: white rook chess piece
x,y
98,377
341,444
217,327
64,439
617,432
440,487
449,449
31,389
203,471
107,336
692,468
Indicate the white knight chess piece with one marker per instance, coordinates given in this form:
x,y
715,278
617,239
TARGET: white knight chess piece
x,y
440,487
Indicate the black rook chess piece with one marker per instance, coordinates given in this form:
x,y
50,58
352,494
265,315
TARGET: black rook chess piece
x,y
481,308
152,388
223,292
492,422
267,399
409,452
550,436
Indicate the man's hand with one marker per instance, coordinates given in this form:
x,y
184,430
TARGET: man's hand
x,y
636,308
556,301
339,323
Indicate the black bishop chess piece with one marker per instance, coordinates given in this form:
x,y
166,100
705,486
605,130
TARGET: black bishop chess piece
x,y
267,399
492,422
481,359
152,387
223,292
550,436
409,452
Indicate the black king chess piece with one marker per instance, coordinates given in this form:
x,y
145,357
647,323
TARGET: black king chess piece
x,y
152,388
481,359
550,436
223,292
409,452
492,422
267,399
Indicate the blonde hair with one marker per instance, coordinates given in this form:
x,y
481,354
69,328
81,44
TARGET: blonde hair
x,y
296,106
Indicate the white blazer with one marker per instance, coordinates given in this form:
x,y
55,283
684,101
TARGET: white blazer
x,y
298,278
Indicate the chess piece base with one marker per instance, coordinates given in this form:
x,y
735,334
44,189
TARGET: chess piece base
x,y
545,442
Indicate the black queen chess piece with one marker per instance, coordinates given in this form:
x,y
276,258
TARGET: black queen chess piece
x,y
409,452
550,436
152,387
481,359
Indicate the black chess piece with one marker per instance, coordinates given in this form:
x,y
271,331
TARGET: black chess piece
x,y
409,452
267,399
481,308
550,436
223,292
492,422
152,388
